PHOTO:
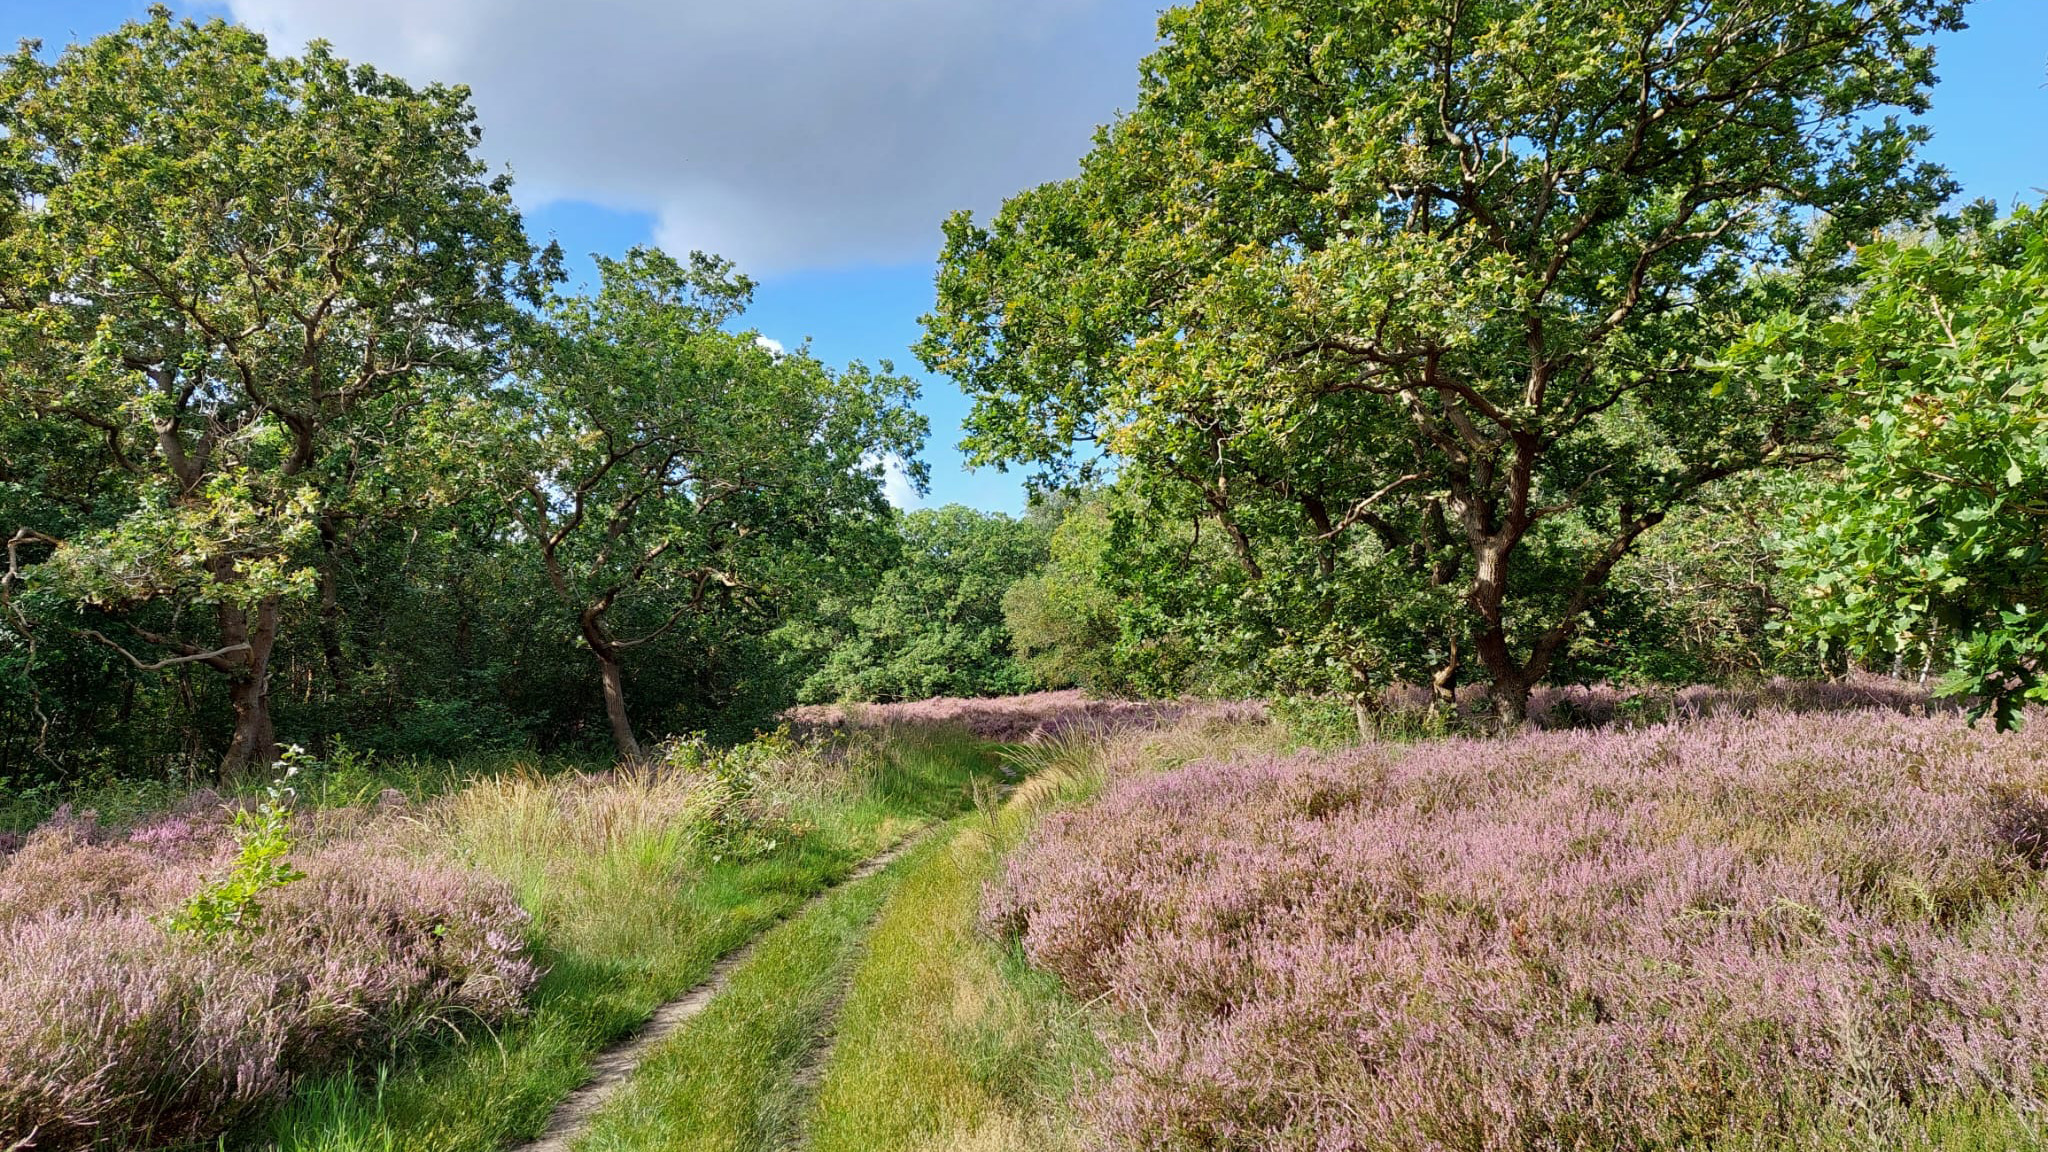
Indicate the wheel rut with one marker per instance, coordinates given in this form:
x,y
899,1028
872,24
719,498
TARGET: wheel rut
x,y
809,1075
610,1069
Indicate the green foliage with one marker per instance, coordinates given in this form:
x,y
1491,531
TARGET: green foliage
x,y
660,459
1121,603
934,624
1406,299
1928,544
249,280
742,820
272,406
262,843
1700,598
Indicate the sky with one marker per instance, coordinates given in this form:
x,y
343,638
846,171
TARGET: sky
x,y
821,143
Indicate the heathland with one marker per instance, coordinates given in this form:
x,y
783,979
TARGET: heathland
x,y
1797,916
1526,634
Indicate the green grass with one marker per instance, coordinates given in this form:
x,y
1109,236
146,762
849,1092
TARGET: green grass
x,y
346,777
946,1039
627,916
729,1080
1975,1123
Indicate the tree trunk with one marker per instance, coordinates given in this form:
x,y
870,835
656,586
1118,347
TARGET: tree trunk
x,y
1512,679
1510,700
1443,683
1508,679
615,709
614,678
255,740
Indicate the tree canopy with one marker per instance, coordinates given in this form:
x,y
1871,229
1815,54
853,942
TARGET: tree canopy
x,y
1411,342
287,394
243,273
933,624
667,459
1409,300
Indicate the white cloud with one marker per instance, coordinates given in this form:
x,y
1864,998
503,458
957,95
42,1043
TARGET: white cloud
x,y
897,487
782,133
770,343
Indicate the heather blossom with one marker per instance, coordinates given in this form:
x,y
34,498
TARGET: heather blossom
x,y
1021,719
115,1032
1737,929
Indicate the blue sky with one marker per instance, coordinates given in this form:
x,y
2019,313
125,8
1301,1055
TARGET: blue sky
x,y
849,132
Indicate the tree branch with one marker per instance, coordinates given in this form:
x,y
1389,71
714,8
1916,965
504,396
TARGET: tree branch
x,y
213,659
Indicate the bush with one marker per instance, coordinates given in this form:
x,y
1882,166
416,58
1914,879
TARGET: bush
x,y
117,1033
262,841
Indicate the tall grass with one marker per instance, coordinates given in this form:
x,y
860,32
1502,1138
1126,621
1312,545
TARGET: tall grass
x,y
947,1038
634,894
344,778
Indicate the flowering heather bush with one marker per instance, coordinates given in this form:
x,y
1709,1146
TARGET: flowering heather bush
x,y
1020,719
1604,705
1732,931
117,1033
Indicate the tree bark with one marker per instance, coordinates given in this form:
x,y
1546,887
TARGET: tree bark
x,y
615,709
1508,679
1443,683
1510,700
612,674
255,740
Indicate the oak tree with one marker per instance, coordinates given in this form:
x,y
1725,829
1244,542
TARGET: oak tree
x,y
1927,542
670,467
1408,298
229,265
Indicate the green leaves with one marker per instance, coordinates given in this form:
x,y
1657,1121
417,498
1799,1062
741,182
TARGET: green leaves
x,y
934,623
1456,265
225,547
234,902
670,470
1931,542
252,279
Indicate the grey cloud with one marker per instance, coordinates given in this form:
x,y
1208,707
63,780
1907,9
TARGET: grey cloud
x,y
782,133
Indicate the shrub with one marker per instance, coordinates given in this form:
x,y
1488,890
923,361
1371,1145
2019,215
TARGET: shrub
x,y
113,1034
1738,930
746,791
117,1033
262,840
